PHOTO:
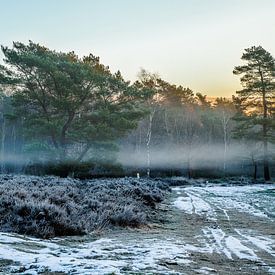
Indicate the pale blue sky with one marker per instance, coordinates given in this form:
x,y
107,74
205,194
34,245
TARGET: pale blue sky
x,y
195,43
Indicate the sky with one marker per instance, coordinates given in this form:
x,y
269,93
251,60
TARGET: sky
x,y
193,43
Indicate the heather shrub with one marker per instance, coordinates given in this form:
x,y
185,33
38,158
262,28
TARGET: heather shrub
x,y
50,206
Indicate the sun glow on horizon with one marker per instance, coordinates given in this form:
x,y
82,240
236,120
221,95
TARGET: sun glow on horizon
x,y
195,43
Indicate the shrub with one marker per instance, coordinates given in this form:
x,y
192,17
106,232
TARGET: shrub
x,y
50,206
79,170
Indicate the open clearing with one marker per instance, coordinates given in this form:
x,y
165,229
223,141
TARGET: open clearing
x,y
211,229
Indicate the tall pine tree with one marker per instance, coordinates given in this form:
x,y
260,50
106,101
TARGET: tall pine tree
x,y
257,99
69,104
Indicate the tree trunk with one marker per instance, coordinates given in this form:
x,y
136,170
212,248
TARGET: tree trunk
x,y
65,128
189,172
255,171
148,145
3,145
166,125
266,164
14,139
148,142
225,121
84,152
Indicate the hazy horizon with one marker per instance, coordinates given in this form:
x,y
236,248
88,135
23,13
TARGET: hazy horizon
x,y
192,43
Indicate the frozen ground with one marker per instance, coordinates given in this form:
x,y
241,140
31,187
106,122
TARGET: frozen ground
x,y
205,230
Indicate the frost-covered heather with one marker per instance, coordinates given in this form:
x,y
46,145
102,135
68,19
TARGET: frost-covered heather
x,y
50,206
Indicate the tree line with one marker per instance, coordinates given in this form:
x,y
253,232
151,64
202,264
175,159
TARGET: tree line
x,y
57,107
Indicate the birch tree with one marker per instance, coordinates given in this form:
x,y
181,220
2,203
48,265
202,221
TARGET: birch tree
x,y
225,112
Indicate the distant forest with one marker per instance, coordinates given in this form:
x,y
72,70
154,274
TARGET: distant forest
x,y
70,116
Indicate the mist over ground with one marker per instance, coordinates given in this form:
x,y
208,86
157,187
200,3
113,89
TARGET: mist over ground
x,y
72,113
181,157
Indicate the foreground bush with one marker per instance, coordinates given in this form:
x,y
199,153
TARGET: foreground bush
x,y
49,206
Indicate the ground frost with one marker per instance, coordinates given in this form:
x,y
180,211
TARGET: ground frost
x,y
210,230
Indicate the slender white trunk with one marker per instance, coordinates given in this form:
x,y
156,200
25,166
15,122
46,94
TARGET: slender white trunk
x,y
166,124
225,121
148,142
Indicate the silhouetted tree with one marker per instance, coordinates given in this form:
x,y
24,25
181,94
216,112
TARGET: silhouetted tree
x,y
257,98
69,103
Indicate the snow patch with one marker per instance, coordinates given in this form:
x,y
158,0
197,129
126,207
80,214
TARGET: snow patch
x,y
261,242
194,204
241,251
185,204
103,256
218,238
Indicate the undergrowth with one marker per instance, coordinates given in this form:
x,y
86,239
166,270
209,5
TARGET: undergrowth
x,y
47,207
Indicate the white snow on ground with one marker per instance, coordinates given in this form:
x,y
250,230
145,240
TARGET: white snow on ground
x,y
147,255
240,198
52,256
206,270
225,197
229,245
241,207
185,204
216,238
194,204
239,249
103,256
201,249
201,207
261,242
232,246
240,243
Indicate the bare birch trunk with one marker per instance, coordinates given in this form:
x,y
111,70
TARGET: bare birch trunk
x,y
148,142
225,121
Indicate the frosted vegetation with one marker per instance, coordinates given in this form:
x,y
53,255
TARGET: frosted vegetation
x,y
49,206
203,229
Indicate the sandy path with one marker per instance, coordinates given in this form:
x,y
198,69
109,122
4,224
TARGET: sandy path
x,y
205,230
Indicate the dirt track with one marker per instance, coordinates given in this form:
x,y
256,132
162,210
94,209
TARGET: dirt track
x,y
205,230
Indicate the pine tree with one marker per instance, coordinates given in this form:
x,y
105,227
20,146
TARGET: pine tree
x,y
257,99
69,103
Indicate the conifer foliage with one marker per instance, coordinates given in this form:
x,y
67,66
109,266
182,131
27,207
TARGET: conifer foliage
x,y
257,99
68,104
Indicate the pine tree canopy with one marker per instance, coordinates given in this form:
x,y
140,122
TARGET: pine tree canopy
x,y
69,102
